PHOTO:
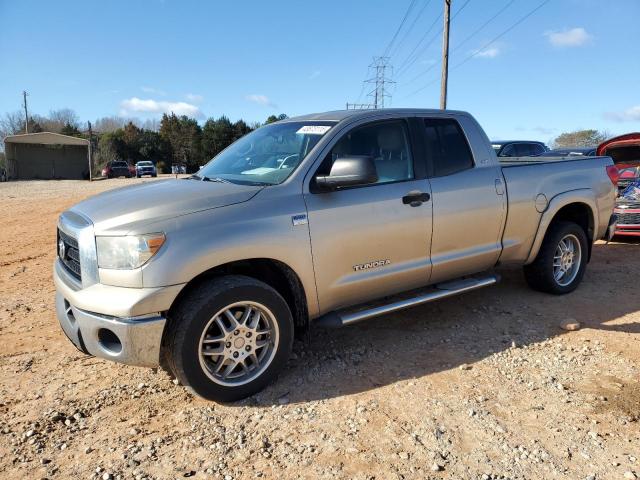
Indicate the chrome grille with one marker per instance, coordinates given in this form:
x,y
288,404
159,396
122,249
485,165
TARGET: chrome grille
x,y
631,218
70,258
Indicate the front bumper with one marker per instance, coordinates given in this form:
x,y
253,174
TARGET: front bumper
x,y
628,221
134,341
117,323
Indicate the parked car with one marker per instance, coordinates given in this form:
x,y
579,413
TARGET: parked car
x,y
307,220
116,169
570,152
177,169
146,168
518,148
625,152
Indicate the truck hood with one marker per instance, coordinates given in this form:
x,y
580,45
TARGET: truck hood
x,y
118,212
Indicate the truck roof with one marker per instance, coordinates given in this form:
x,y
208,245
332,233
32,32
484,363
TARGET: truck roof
x,y
339,115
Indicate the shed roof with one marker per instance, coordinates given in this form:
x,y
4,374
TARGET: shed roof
x,y
46,138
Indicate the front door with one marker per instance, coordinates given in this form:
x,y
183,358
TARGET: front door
x,y
372,240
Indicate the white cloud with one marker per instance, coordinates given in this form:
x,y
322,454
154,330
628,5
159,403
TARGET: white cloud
x,y
544,130
194,97
492,52
629,115
138,105
260,100
574,37
153,90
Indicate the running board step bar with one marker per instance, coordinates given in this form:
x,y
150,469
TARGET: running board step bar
x,y
436,292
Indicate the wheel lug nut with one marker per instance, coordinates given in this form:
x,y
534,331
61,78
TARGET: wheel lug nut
x,y
228,345
235,354
236,332
248,348
248,335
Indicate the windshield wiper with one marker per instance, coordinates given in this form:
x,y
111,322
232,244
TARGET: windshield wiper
x,y
215,179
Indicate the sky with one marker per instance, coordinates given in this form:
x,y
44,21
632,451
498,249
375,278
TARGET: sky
x,y
571,64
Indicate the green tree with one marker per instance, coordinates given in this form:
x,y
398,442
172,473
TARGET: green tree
x,y
580,138
240,129
274,118
216,136
71,130
184,136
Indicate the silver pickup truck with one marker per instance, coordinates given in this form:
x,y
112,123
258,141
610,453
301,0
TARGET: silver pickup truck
x,y
314,220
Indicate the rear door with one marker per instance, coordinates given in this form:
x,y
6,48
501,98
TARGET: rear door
x,y
372,240
469,202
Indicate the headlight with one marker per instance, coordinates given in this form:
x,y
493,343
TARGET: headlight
x,y
128,252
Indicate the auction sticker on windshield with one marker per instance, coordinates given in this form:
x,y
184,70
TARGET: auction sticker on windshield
x,y
314,129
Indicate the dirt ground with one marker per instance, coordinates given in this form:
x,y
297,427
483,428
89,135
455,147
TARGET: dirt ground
x,y
481,386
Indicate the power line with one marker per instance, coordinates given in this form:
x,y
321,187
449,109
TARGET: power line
x,y
380,65
402,70
479,29
485,46
395,35
396,49
406,60
381,70
495,39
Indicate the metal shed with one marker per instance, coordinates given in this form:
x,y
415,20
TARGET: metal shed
x,y
46,156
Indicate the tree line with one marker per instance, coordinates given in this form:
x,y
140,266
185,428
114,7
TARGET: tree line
x,y
174,139
177,139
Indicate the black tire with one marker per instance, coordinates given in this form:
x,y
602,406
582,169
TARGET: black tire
x,y
540,274
188,320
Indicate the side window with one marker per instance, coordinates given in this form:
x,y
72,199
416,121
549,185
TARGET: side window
x,y
386,142
509,151
447,146
524,150
537,149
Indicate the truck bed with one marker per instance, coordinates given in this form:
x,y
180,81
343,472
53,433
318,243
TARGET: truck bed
x,y
527,178
520,161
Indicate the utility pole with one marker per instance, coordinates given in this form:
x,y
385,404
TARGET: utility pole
x,y
26,115
90,152
445,55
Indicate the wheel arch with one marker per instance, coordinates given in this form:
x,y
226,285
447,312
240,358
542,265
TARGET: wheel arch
x,y
576,206
274,273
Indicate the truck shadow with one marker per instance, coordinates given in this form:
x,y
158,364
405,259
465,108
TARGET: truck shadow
x,y
444,335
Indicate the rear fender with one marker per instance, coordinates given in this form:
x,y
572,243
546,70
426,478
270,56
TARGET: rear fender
x,y
583,195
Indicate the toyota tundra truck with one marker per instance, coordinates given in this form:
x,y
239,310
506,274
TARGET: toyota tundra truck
x,y
322,220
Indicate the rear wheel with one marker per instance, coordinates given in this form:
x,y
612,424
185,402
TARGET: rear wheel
x,y
561,261
229,338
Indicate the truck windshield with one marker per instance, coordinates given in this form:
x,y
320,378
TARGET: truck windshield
x,y
266,156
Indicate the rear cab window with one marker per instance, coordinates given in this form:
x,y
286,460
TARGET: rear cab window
x,y
447,147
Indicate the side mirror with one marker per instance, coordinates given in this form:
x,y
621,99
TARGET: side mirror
x,y
348,172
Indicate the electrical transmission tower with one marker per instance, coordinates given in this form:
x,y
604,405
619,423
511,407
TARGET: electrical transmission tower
x,y
381,72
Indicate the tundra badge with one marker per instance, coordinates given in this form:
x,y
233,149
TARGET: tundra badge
x,y
374,264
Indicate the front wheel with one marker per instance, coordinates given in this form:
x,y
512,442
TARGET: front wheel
x,y
229,338
561,261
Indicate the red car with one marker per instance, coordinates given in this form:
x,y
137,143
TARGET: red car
x,y
625,152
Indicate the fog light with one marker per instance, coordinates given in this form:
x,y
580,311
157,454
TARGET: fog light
x,y
109,341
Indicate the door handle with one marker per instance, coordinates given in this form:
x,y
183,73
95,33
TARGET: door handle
x,y
415,198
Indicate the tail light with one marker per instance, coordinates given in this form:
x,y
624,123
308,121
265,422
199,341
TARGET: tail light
x,y
614,174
